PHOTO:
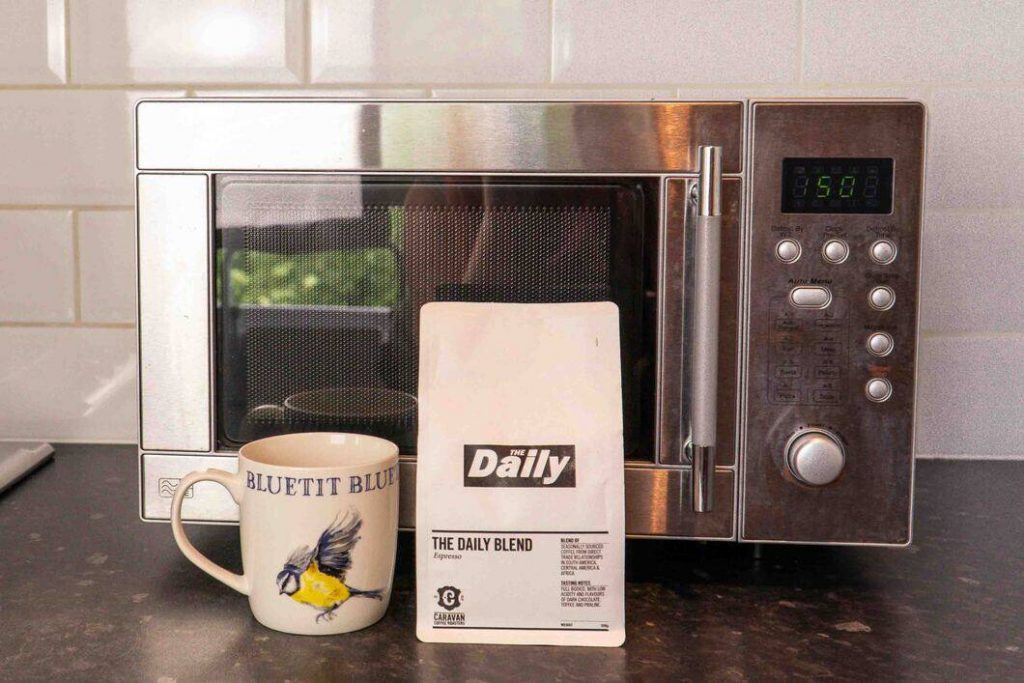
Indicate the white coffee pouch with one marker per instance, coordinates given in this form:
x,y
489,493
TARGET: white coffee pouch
x,y
519,478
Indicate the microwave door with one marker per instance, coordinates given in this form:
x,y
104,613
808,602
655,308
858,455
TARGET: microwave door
x,y
321,278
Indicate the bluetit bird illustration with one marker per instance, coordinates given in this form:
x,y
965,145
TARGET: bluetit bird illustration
x,y
317,577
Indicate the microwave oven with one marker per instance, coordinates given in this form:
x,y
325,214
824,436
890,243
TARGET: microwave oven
x,y
764,256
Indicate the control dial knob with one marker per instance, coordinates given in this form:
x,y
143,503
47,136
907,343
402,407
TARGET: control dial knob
x,y
815,456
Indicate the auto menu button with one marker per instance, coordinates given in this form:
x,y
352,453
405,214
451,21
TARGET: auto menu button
x,y
810,297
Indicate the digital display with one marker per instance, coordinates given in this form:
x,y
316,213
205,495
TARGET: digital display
x,y
837,185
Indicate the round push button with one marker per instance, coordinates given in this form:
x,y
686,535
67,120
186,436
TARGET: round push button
x,y
815,457
788,251
835,251
881,298
880,344
878,390
883,252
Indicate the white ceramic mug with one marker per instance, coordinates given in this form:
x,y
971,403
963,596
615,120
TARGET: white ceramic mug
x,y
319,526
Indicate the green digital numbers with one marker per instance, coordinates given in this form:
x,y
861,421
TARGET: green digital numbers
x,y
838,185
824,187
846,185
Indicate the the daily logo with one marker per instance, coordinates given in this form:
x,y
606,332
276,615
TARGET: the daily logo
x,y
519,466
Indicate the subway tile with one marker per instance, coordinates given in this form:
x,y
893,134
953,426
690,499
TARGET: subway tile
x,y
187,41
32,42
74,146
970,272
319,91
675,41
36,267
68,384
920,40
106,254
430,41
625,94
976,149
970,396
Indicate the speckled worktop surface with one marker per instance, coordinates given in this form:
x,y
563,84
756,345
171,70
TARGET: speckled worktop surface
x,y
88,592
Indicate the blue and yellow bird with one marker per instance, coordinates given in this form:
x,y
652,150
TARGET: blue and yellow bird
x,y
317,577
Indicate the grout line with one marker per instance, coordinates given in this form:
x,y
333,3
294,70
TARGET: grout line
x,y
76,268
81,325
969,457
551,41
307,42
759,87
67,42
66,207
976,211
801,52
88,441
963,334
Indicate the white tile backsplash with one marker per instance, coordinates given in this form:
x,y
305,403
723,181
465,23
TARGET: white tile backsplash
x,y
106,255
68,384
67,146
970,396
913,41
430,41
32,42
187,41
675,41
71,70
971,272
976,149
36,267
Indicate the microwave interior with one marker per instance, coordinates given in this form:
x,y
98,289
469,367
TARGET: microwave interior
x,y
319,280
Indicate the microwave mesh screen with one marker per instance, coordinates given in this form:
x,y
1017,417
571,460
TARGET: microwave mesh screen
x,y
320,281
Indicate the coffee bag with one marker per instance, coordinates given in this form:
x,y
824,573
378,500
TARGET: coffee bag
x,y
519,480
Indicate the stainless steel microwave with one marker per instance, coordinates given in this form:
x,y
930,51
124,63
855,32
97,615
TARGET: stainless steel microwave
x,y
764,257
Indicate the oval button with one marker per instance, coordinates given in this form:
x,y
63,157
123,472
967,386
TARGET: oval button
x,y
810,297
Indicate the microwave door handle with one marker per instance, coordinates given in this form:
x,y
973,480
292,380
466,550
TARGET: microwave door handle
x,y
704,351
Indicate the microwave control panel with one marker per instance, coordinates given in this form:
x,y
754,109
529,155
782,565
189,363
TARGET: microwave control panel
x,y
834,238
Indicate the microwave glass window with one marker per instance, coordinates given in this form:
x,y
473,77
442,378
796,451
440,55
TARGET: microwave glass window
x,y
837,185
319,281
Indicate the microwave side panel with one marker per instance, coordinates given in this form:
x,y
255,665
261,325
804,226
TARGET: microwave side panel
x,y
174,312
174,345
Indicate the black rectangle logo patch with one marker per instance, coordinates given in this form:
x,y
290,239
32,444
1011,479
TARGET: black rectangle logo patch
x,y
519,466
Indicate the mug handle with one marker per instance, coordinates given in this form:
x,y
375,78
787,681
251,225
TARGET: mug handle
x,y
233,483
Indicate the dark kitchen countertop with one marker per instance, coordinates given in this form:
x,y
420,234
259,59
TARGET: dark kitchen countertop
x,y
89,592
